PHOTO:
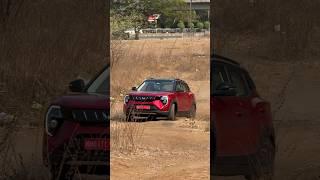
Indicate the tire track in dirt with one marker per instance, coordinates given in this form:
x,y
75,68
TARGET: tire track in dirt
x,y
167,151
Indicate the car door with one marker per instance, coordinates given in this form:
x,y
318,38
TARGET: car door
x,y
243,124
181,96
221,108
232,113
189,96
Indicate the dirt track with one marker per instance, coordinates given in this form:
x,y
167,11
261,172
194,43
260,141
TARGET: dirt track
x,y
168,151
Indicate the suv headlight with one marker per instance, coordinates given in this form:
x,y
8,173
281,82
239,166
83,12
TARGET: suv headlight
x,y
164,100
126,99
53,116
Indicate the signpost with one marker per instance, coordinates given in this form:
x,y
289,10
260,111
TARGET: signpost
x,y
151,18
154,18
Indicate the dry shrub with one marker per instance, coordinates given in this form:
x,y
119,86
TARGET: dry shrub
x,y
125,136
13,164
43,46
251,27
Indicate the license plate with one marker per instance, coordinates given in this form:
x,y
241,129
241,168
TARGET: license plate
x,y
96,144
142,107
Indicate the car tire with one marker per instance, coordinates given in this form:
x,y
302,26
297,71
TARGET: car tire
x,y
192,112
172,112
263,165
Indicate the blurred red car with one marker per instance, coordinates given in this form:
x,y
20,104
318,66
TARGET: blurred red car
x,y
76,132
242,131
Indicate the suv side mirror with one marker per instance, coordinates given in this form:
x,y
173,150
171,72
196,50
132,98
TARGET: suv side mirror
x,y
225,89
77,85
134,88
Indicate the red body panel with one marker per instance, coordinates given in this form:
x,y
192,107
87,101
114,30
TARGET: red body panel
x,y
240,123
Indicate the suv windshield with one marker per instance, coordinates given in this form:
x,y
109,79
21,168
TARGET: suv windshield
x,y
101,84
157,85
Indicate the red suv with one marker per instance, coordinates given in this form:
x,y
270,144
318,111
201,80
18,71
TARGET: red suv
x,y
160,98
242,134
76,132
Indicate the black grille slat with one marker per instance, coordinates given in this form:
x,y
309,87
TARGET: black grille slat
x,y
90,115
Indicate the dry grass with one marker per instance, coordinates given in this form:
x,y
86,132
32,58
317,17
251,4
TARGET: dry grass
x,y
39,56
125,136
43,46
134,61
137,60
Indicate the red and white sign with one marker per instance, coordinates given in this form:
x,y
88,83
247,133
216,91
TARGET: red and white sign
x,y
153,18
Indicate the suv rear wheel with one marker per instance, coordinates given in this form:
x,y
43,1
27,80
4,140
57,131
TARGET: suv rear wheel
x,y
263,164
192,112
172,112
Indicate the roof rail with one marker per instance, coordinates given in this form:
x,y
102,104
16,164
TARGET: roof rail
x,y
225,59
173,78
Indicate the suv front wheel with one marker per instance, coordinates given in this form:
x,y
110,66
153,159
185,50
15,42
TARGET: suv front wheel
x,y
172,112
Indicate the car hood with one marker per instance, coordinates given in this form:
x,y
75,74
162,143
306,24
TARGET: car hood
x,y
150,93
83,101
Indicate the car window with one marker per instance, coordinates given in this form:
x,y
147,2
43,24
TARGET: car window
x,y
218,76
156,85
180,87
186,87
237,79
101,84
250,82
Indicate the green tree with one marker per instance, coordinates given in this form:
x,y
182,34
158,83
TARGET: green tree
x,y
200,25
119,23
181,25
190,25
206,25
134,14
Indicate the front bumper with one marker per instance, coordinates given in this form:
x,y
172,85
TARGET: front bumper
x,y
130,109
146,113
86,161
67,146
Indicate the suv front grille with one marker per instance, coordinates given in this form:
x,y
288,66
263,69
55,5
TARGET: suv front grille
x,y
143,98
90,115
